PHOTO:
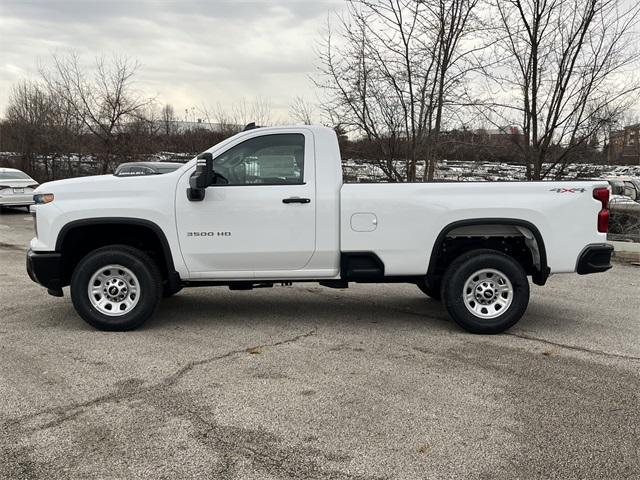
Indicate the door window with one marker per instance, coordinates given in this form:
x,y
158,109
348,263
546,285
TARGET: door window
x,y
265,160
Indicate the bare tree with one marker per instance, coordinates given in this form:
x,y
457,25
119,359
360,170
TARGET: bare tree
x,y
393,76
301,111
168,119
29,113
231,120
103,102
258,111
567,73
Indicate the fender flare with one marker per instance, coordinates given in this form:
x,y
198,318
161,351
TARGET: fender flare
x,y
166,249
539,278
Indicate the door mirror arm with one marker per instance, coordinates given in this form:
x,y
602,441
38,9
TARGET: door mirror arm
x,y
202,178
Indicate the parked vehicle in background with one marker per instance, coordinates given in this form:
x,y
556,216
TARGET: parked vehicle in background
x,y
625,208
16,188
624,203
269,205
133,169
624,190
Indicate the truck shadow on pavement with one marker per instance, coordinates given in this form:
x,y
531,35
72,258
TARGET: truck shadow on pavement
x,y
311,306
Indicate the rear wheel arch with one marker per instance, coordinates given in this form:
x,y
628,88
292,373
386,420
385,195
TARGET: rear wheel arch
x,y
438,262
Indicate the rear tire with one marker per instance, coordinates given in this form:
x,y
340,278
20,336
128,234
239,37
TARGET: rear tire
x,y
485,291
116,288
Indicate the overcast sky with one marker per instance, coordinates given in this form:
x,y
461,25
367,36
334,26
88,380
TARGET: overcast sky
x,y
192,52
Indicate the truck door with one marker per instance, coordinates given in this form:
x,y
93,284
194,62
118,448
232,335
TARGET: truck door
x,y
260,216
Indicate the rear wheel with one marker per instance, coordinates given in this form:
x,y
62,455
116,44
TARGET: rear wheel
x,y
116,288
485,291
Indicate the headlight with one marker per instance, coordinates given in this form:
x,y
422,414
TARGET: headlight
x,y
42,198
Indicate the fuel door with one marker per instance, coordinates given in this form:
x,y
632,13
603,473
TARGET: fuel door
x,y
364,222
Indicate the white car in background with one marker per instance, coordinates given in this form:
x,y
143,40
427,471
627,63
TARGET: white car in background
x,y
16,188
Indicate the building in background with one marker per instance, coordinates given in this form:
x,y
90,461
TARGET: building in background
x,y
624,146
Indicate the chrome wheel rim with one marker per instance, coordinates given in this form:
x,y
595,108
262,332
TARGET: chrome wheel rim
x,y
488,293
114,290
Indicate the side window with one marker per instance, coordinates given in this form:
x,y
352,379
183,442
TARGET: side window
x,y
264,160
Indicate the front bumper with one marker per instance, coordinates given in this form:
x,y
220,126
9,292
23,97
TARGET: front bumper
x,y
595,258
45,268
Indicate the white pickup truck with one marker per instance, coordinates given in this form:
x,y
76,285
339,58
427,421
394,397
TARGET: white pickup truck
x,y
268,206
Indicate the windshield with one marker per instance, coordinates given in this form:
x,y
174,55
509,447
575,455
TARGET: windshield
x,y
14,176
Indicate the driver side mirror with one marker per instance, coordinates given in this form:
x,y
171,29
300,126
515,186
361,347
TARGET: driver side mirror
x,y
202,178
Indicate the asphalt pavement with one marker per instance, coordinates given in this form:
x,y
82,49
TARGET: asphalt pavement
x,y
304,382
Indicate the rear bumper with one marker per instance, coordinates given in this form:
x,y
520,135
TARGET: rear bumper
x,y
595,258
16,200
45,268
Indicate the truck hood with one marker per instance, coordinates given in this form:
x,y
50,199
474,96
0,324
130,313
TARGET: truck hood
x,y
105,183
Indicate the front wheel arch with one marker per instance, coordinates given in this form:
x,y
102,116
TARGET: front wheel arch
x,y
78,238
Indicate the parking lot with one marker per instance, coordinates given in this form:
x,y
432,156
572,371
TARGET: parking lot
x,y
305,382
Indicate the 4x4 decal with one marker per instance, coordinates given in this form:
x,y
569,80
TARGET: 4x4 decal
x,y
568,190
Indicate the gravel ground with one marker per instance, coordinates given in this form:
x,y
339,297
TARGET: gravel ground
x,y
305,382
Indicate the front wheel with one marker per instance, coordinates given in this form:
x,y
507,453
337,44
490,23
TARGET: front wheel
x,y
485,291
116,288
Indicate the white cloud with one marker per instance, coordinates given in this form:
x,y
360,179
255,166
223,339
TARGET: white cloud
x,y
191,52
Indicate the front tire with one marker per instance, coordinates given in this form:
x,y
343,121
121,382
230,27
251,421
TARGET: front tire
x,y
485,291
116,288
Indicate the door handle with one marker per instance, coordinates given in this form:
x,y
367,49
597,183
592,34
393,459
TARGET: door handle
x,y
296,200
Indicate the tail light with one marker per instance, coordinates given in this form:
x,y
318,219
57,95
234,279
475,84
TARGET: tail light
x,y
602,194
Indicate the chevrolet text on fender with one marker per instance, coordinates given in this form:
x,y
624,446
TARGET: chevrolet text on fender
x,y
268,206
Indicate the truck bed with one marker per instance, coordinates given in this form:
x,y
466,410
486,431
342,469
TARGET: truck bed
x,y
401,222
